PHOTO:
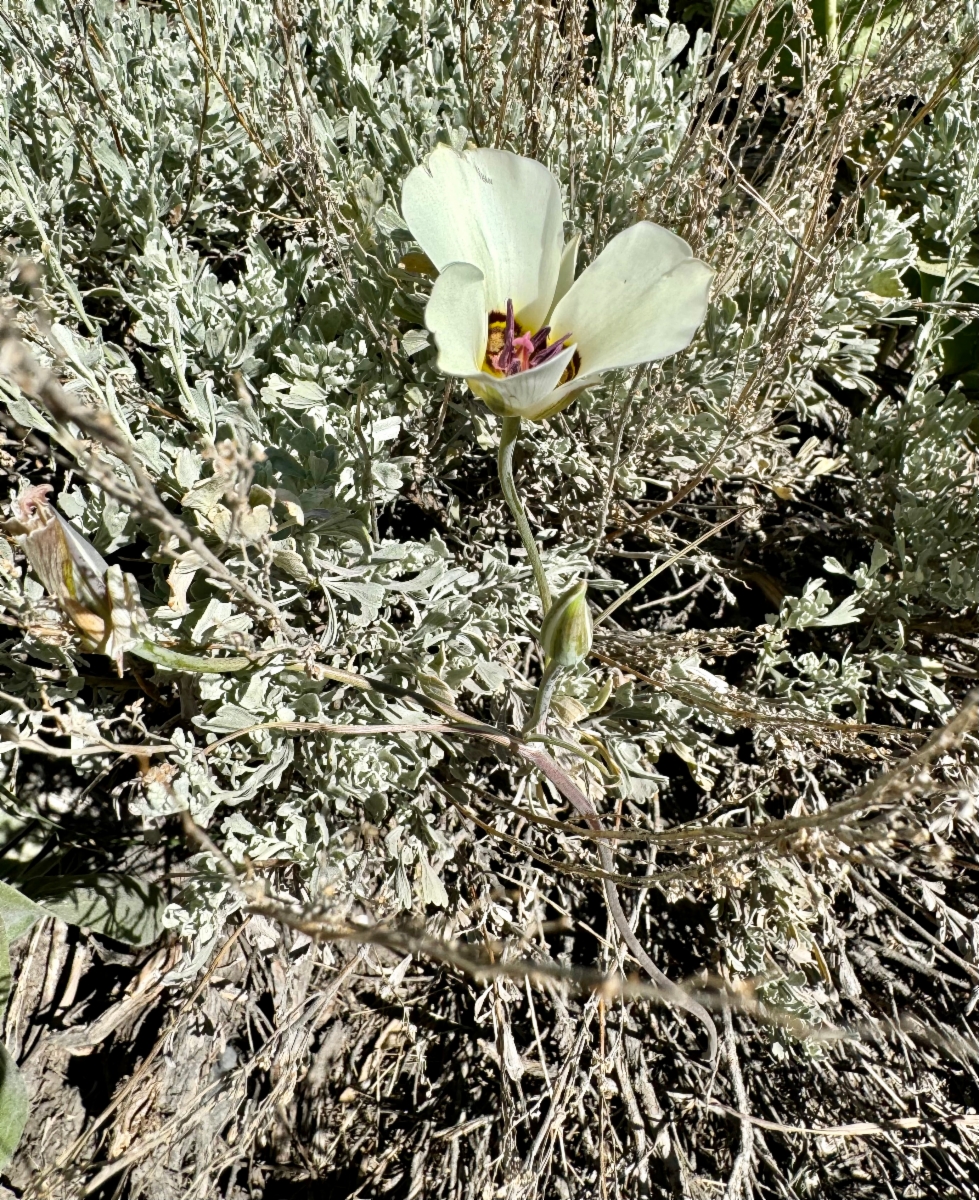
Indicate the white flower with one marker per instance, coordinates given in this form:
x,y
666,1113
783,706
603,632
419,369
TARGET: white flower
x,y
508,314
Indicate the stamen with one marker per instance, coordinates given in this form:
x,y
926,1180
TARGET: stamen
x,y
507,353
519,350
551,351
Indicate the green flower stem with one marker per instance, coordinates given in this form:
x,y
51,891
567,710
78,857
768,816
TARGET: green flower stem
x,y
176,661
504,461
542,704
824,18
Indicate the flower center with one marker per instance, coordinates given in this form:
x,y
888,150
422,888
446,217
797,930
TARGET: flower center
x,y
511,349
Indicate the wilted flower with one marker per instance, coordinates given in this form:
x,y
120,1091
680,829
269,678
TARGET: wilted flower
x,y
100,601
566,631
506,311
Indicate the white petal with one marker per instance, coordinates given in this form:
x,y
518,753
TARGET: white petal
x,y
496,210
642,299
562,396
456,315
527,394
84,555
569,259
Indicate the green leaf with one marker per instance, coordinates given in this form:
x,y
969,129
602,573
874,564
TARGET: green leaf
x,y
117,906
17,912
414,341
887,283
845,613
5,979
24,413
230,718
175,660
13,1106
431,889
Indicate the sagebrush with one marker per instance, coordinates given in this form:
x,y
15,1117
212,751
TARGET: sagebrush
x,y
213,349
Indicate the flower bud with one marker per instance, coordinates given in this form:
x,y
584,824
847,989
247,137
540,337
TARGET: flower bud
x,y
566,630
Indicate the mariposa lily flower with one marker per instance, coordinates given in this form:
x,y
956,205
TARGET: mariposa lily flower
x,y
506,311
